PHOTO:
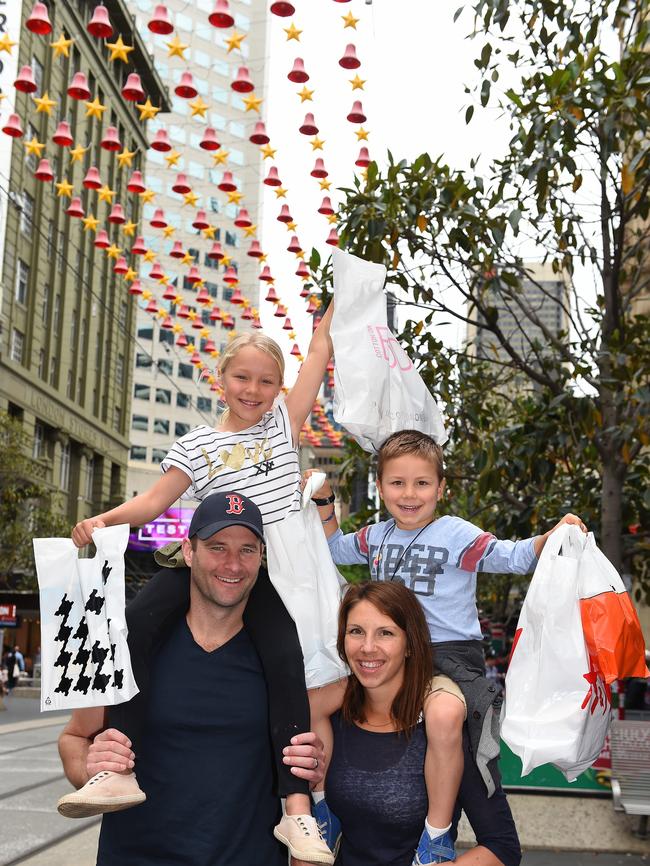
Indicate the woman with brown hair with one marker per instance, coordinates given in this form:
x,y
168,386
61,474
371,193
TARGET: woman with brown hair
x,y
375,781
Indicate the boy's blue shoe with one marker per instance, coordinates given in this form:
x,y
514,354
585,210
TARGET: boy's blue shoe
x,y
438,850
328,824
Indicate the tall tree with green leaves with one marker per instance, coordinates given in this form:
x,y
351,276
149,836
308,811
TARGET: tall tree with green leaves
x,y
560,419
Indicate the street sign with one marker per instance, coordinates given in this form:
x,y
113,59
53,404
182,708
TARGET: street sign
x,y
7,615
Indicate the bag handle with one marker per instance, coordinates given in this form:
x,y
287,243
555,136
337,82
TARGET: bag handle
x,y
312,485
566,538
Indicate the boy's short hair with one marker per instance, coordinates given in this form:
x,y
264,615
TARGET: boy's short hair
x,y
410,442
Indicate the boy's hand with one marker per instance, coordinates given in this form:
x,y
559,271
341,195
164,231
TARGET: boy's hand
x,y
82,534
541,540
324,491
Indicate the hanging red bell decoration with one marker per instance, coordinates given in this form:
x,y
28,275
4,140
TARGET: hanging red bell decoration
x,y
116,216
177,251
161,22
183,312
25,82
319,169
158,220
243,220
74,209
227,184
13,126
111,140
170,293
311,307
237,297
138,248
44,171
287,325
294,245
333,238
135,288
39,21
133,90
101,240
256,323
363,160
272,295
349,59
181,341
228,322
200,221
167,323
120,266
136,183
280,311
62,135
309,125
99,25
273,178
161,141
230,276
295,351
209,347
156,272
210,140
255,250
185,88
194,276
203,297
282,9
356,114
79,86
304,292
92,180
216,252
247,314
284,216
180,185
242,82
265,274
259,134
152,307
326,206
221,16
302,271
216,315
298,74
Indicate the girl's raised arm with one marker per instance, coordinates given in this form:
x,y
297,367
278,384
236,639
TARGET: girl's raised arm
x,y
301,397
142,508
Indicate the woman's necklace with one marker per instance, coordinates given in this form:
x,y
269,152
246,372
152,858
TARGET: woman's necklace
x,y
387,534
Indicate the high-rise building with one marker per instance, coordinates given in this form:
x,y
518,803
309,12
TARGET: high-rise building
x,y
67,320
209,136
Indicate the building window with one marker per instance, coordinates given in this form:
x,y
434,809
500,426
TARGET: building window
x,y
27,215
69,387
57,313
180,429
141,392
165,366
138,452
117,418
46,302
184,401
158,455
145,333
90,478
204,404
37,69
22,282
64,475
163,396
50,239
140,422
53,371
185,371
41,364
39,441
161,425
143,360
17,344
123,314
60,257
119,370
166,337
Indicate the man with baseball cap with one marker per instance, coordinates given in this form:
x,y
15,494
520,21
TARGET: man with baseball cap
x,y
205,760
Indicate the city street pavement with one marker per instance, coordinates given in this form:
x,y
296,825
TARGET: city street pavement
x,y
573,831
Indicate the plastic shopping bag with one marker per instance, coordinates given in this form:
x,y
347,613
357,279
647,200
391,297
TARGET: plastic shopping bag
x,y
85,658
377,389
301,569
557,707
609,621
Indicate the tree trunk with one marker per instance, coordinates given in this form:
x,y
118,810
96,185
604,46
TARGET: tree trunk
x,y
611,514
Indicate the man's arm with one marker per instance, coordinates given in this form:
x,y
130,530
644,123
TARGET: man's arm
x,y
86,749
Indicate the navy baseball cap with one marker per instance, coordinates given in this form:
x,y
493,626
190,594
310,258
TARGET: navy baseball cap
x,y
221,510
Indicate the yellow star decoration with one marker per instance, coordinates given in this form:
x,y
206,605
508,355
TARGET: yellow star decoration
x,y
125,158
292,32
235,196
234,42
178,300
62,46
191,198
252,102
162,313
176,48
268,152
187,259
362,134
95,108
225,261
332,218
77,153
106,193
168,231
90,223
220,157
119,51
163,281
149,256
172,158
191,317
44,103
130,275
198,107
305,94
325,183
291,335
147,110
317,143
34,147
250,231
177,329
300,254
129,228
209,232
113,251
147,196
350,21
292,226
357,83
6,44
280,192
146,295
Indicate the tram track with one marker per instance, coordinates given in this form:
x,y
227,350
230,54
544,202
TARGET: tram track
x,y
43,847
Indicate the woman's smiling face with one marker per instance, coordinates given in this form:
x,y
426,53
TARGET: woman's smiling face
x,y
375,647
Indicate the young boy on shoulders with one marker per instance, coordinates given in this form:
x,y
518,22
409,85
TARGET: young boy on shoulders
x,y
439,559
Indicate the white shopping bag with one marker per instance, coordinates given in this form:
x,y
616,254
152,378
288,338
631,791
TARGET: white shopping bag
x,y
557,707
85,658
301,569
377,390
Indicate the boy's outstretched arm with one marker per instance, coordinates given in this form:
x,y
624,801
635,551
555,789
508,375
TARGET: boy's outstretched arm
x,y
540,540
326,512
142,508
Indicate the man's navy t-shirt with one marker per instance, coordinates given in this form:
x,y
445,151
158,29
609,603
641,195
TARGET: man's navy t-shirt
x,y
205,764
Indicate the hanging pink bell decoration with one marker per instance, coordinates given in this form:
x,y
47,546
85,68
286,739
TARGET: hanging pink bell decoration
x,y
209,140
39,20
133,90
294,245
185,88
227,184
216,252
221,16
44,171
161,141
13,127
273,178
349,59
92,180
243,220
363,160
356,114
259,134
62,135
111,140
243,83
136,183
79,86
282,9
161,22
25,82
284,216
309,125
319,169
99,25
298,74
75,209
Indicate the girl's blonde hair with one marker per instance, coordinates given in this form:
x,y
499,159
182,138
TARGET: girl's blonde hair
x,y
258,341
